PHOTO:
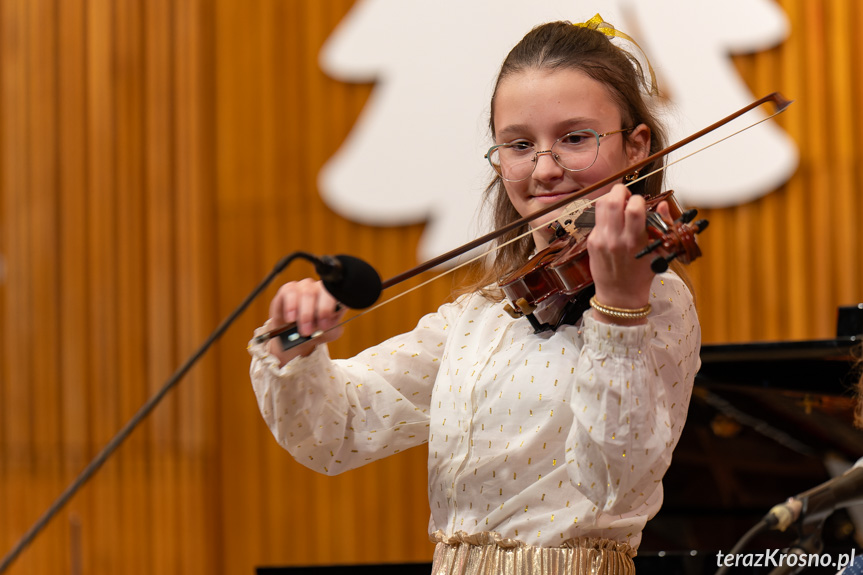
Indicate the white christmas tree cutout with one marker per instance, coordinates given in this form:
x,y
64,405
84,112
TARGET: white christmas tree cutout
x,y
416,152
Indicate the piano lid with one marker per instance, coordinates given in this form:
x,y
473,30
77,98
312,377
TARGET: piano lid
x,y
822,366
800,393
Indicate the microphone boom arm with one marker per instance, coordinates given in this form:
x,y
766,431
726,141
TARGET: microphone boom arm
x,y
143,412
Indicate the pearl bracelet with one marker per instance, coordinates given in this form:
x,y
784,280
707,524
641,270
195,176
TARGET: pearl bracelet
x,y
620,312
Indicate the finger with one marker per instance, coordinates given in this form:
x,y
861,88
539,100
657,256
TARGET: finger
x,y
283,306
664,210
307,307
635,217
610,208
329,311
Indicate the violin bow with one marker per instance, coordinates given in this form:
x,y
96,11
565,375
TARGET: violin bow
x,y
776,98
779,101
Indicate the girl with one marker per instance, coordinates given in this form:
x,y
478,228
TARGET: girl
x,y
546,450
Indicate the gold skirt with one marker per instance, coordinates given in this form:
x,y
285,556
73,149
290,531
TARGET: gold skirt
x,y
490,554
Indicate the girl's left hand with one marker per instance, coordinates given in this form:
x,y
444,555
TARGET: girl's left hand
x,y
620,233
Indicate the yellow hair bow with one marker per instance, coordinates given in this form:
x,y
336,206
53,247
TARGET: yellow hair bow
x,y
600,25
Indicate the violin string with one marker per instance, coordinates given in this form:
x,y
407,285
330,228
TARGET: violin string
x,y
438,276
589,203
710,145
448,271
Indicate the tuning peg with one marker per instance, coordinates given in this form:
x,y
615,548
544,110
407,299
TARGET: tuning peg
x,y
660,264
687,216
650,247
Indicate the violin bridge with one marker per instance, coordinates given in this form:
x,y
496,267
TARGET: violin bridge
x,y
557,229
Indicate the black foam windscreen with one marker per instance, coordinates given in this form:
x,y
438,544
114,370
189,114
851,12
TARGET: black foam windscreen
x,y
357,285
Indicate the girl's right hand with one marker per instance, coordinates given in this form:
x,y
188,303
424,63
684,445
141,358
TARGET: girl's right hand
x,y
312,308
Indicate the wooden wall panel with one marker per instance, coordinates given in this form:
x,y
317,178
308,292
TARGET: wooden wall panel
x,y
779,267
72,288
158,158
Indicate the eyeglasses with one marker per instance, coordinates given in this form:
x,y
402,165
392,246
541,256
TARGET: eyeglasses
x,y
574,152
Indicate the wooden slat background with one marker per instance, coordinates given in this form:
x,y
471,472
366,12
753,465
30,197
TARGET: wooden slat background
x,y
157,158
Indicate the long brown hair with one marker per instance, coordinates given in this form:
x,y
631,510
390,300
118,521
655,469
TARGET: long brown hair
x,y
554,46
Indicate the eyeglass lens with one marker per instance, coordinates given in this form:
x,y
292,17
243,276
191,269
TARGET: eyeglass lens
x,y
574,152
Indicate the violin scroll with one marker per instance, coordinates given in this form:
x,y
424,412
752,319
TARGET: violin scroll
x,y
676,241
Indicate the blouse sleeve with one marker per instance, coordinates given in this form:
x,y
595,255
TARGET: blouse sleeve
x,y
336,415
630,399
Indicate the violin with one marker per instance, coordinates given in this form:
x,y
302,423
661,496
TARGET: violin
x,y
554,287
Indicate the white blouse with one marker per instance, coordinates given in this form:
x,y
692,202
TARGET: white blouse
x,y
536,437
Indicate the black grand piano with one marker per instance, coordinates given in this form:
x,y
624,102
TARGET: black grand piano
x,y
767,421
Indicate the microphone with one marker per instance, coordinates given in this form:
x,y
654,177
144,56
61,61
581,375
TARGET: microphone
x,y
819,502
350,280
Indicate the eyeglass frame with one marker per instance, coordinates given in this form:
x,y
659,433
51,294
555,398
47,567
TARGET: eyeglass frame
x,y
554,157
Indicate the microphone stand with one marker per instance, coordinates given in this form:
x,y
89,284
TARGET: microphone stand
x,y
808,528
756,530
815,510
807,543
144,411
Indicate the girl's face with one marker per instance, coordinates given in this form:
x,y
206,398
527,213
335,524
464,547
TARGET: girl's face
x,y
540,106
